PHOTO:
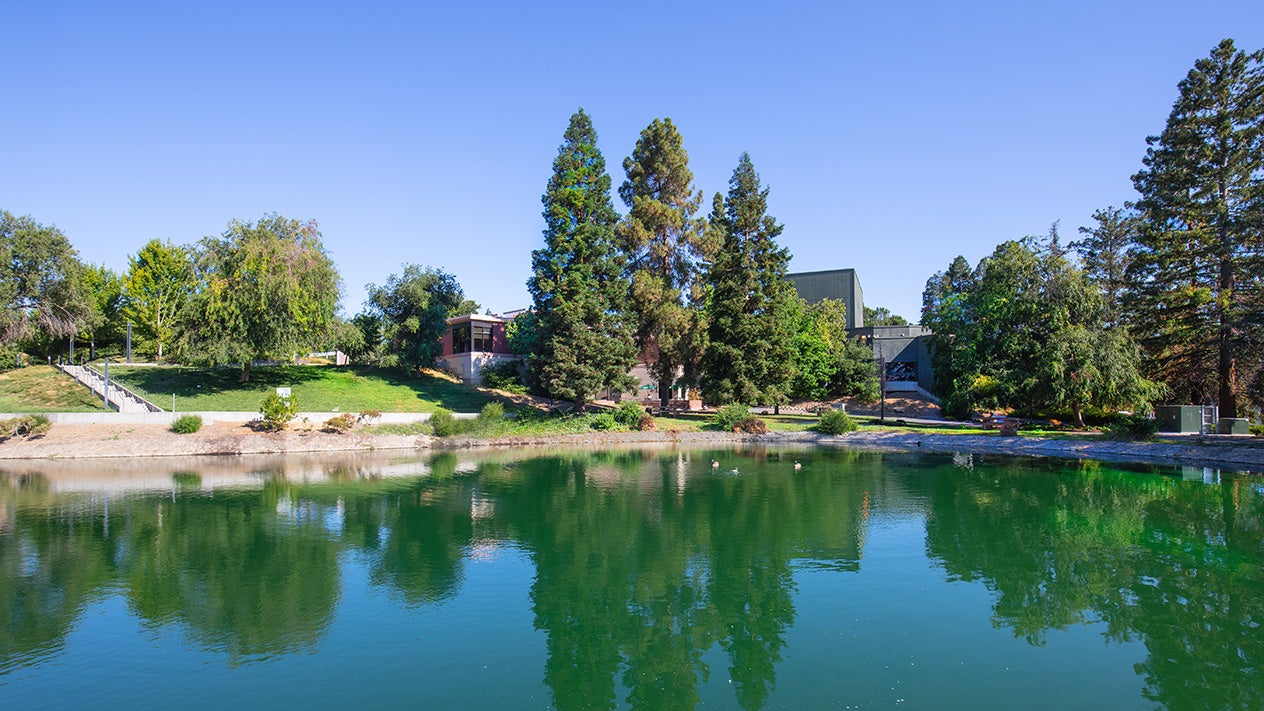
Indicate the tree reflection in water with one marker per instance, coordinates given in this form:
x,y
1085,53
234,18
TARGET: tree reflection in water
x,y
647,564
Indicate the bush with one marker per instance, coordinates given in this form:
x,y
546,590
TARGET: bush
x,y
341,423
645,423
751,425
836,422
277,411
629,414
442,423
728,417
25,426
1133,428
603,421
1257,430
505,375
187,424
491,414
368,416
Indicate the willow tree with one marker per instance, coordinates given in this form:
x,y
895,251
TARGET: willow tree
x,y
42,294
1199,261
663,242
267,290
583,343
749,357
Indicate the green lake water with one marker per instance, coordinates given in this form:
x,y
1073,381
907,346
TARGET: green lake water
x,y
633,578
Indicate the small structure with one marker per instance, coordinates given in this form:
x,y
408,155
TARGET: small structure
x,y
473,342
1189,419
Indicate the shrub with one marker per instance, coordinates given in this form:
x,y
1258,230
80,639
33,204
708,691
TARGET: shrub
x,y
728,417
751,425
505,375
442,423
603,421
1133,428
368,416
646,422
836,422
277,411
25,426
1257,430
187,424
341,423
629,414
491,414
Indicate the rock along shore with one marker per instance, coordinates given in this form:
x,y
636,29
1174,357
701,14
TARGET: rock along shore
x,y
67,441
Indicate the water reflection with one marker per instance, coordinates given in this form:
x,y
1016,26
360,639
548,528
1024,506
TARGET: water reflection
x,y
647,563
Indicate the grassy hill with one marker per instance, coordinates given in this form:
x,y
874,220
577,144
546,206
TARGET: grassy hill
x,y
318,388
43,388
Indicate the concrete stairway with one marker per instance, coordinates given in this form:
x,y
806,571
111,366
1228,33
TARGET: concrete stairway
x,y
121,398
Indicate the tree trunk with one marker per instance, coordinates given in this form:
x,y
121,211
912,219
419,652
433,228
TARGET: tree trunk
x,y
159,350
1227,374
245,371
1079,415
664,392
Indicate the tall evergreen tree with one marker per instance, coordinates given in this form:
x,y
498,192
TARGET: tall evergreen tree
x,y
1105,252
748,358
663,242
1198,270
583,343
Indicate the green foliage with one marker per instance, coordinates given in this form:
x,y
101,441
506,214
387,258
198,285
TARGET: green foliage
x,y
493,413
1257,430
187,424
583,341
882,316
1105,253
341,423
603,421
27,426
827,363
1026,330
728,417
663,242
836,422
277,411
156,291
368,416
268,290
103,288
1133,428
442,423
504,375
629,413
1199,257
412,309
42,292
750,330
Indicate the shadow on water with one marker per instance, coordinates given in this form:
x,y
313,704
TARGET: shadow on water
x,y
646,562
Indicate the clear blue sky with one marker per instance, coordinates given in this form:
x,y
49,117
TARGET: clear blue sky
x,y
894,138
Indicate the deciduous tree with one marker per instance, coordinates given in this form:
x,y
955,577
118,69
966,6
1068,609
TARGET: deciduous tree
x,y
41,288
268,290
160,282
414,307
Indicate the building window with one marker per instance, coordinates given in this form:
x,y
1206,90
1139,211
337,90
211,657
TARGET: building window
x,y
902,372
468,337
483,337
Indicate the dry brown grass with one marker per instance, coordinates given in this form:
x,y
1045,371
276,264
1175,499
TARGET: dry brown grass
x,y
42,388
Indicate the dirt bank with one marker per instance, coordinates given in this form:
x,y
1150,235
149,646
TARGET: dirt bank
x,y
67,441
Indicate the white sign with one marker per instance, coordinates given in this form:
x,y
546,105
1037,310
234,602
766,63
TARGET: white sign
x,y
283,392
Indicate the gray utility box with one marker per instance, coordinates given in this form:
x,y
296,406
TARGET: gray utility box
x,y
1233,426
1179,418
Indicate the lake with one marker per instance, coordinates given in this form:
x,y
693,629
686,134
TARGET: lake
x,y
642,578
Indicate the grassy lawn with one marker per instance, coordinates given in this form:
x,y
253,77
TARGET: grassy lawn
x,y
317,388
43,388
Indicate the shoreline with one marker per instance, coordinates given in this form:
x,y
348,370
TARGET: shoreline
x,y
105,442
